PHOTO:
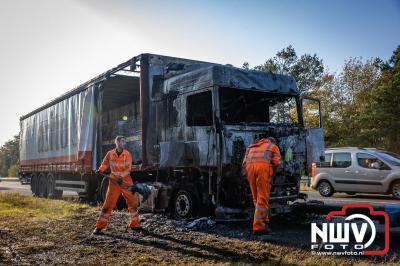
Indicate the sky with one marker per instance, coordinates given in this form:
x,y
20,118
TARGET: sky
x,y
48,47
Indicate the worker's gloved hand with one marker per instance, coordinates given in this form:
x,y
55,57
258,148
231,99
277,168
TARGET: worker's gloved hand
x,y
120,180
133,188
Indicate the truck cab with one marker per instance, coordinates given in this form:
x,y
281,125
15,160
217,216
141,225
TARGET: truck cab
x,y
202,116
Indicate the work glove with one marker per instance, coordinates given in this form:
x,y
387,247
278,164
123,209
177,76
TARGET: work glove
x,y
120,180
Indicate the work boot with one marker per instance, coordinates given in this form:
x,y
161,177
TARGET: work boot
x,y
267,231
97,231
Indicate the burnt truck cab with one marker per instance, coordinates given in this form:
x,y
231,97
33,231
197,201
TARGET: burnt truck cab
x,y
187,125
203,116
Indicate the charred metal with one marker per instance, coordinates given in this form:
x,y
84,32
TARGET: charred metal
x,y
188,124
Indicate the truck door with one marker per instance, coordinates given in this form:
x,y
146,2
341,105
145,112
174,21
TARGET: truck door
x,y
312,120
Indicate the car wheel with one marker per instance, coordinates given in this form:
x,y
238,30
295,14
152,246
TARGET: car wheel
x,y
325,189
396,190
185,204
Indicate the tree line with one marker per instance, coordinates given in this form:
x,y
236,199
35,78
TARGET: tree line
x,y
360,104
9,157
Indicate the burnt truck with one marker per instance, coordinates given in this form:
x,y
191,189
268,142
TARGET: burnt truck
x,y
187,125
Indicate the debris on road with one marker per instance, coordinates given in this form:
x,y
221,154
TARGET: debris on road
x,y
202,223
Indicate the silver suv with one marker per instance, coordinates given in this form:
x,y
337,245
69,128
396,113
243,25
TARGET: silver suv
x,y
357,170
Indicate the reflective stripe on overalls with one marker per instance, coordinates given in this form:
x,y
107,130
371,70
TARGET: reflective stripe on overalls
x,y
259,155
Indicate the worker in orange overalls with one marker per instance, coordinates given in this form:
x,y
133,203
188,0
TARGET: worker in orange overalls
x,y
120,162
261,162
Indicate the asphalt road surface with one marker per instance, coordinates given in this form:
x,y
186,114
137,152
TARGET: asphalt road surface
x,y
15,186
343,198
337,198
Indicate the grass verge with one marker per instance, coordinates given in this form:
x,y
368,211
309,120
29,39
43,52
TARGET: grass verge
x,y
304,187
14,204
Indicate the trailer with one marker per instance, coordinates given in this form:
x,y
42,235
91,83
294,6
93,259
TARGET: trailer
x,y
187,125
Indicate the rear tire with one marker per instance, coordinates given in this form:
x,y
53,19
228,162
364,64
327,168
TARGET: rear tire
x,y
325,189
53,193
34,184
42,188
396,190
121,204
186,204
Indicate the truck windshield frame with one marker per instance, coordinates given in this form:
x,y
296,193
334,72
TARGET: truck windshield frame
x,y
240,106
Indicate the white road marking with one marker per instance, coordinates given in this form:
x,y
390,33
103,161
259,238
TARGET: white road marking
x,y
313,195
360,200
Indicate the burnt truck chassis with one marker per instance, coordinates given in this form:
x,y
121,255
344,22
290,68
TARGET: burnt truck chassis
x,y
192,165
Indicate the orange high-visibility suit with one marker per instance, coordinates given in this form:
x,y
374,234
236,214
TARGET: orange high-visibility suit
x,y
261,162
120,168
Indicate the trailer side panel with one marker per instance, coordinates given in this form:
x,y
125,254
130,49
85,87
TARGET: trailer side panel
x,y
61,137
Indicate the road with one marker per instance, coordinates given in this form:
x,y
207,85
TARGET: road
x,y
15,186
337,198
342,198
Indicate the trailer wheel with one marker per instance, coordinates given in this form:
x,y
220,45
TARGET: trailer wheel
x,y
121,204
103,189
186,203
53,193
34,184
42,186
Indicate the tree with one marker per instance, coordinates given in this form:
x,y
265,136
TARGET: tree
x,y
9,155
381,120
306,70
13,170
360,104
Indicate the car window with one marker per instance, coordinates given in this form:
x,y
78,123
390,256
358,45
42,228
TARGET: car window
x,y
390,157
327,161
341,159
369,161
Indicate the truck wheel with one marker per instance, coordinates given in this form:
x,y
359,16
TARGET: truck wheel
x,y
185,204
103,189
325,189
53,193
34,184
42,186
121,204
396,190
